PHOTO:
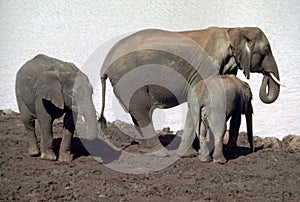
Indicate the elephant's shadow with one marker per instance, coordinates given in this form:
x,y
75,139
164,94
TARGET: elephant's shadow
x,y
234,153
83,147
172,142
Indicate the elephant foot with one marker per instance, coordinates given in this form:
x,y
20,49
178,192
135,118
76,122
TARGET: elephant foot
x,y
191,152
65,157
231,145
220,160
33,151
48,155
153,148
163,152
205,159
150,143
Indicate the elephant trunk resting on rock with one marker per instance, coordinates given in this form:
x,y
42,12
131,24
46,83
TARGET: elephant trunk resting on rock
x,y
155,68
211,103
47,88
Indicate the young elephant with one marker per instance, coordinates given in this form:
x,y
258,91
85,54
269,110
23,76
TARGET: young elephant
x,y
46,89
211,103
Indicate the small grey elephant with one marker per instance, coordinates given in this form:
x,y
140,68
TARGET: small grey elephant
x,y
46,89
211,103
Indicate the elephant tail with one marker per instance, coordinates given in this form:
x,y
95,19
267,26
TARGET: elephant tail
x,y
102,119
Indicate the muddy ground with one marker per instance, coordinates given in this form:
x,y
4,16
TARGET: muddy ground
x,y
271,173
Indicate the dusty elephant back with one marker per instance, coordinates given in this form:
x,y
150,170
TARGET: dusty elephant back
x,y
159,47
39,64
43,63
29,73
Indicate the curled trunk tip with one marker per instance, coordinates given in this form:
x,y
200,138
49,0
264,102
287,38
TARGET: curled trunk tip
x,y
269,90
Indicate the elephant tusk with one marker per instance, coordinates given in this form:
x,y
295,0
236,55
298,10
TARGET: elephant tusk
x,y
276,80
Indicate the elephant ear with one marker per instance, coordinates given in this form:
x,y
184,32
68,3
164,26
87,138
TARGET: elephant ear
x,y
242,42
48,86
246,98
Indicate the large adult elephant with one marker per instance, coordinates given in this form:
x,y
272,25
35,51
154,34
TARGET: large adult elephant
x,y
154,68
47,88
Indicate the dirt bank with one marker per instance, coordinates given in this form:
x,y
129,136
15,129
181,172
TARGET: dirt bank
x,y
271,173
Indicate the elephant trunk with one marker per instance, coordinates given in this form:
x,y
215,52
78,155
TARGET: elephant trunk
x,y
269,89
89,114
102,119
249,129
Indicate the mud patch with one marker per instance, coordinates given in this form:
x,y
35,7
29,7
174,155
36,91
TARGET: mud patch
x,y
271,173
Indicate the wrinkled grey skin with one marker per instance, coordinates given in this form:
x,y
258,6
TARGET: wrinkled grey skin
x,y
204,115
228,50
46,89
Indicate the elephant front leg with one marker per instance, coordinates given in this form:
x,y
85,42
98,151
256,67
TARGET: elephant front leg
x,y
47,152
67,134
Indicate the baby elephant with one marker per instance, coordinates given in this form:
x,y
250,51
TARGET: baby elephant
x,y
211,103
46,89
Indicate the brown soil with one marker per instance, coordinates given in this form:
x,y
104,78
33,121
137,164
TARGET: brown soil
x,y
271,173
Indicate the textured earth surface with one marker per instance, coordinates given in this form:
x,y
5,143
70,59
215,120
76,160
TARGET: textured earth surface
x,y
271,173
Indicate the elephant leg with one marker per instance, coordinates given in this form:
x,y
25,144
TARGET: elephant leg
x,y
143,123
67,134
46,121
235,123
204,148
29,123
185,148
218,156
250,130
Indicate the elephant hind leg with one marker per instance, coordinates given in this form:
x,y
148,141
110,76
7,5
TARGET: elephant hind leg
x,y
33,149
205,142
185,148
218,156
29,123
143,123
235,123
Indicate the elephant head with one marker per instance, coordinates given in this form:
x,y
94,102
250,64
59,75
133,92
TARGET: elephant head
x,y
69,90
252,52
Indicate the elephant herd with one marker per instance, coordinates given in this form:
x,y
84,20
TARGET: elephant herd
x,y
154,69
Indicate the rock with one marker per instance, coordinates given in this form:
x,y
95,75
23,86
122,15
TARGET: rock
x,y
8,112
295,143
258,142
292,141
126,128
242,140
119,124
271,142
